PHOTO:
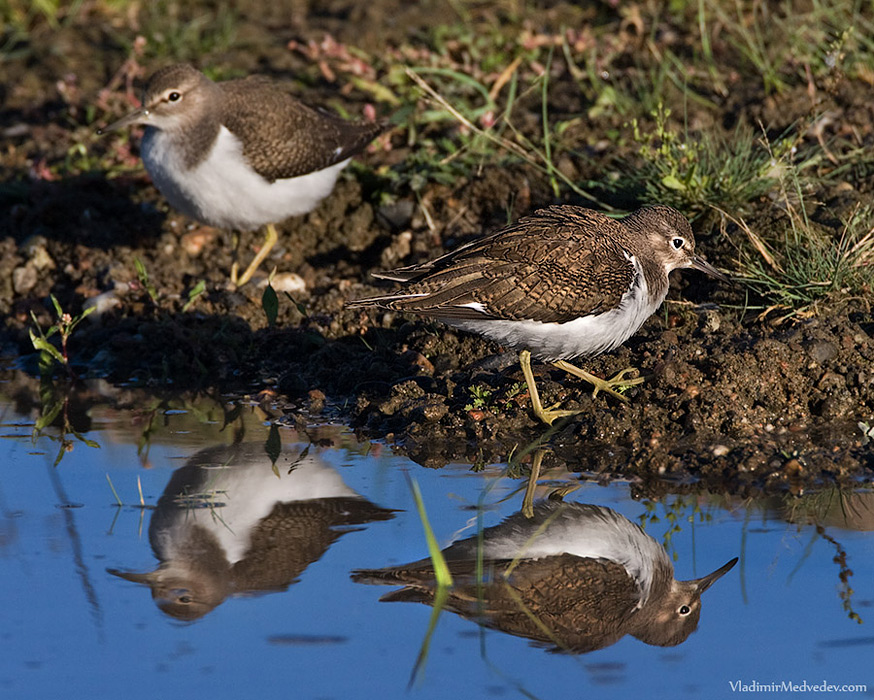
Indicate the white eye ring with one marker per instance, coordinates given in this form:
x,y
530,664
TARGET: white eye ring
x,y
174,96
678,242
684,610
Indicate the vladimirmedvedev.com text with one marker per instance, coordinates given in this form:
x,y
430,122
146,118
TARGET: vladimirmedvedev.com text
x,y
795,687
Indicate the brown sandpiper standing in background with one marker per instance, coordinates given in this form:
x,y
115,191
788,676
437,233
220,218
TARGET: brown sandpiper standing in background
x,y
240,154
562,283
575,575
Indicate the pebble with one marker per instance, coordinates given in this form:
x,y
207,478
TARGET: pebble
x,y
24,279
823,351
102,303
290,282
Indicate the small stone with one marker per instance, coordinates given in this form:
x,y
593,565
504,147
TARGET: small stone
x,y
823,351
102,303
793,468
290,282
831,380
720,450
24,279
710,321
419,360
316,401
41,259
194,242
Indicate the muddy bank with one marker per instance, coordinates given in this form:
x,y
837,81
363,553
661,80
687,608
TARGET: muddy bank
x,y
733,399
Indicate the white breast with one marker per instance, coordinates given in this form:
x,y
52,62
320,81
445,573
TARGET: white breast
x,y
589,335
602,534
239,496
224,191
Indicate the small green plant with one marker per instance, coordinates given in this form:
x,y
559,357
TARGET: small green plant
x,y
480,398
65,325
697,173
270,302
186,32
194,295
143,277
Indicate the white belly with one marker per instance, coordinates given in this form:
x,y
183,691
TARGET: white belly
x,y
224,191
238,496
589,335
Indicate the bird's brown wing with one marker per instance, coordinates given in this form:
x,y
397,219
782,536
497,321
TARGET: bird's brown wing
x,y
562,263
284,137
573,603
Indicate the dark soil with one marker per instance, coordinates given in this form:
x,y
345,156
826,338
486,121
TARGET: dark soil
x,y
732,401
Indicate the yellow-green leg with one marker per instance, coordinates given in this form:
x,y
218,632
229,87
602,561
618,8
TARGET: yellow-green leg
x,y
270,238
528,499
605,385
549,415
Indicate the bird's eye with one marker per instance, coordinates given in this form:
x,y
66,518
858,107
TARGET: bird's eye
x,y
678,243
174,96
684,610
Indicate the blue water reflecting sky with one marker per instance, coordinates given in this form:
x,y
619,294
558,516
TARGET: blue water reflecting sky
x,y
71,629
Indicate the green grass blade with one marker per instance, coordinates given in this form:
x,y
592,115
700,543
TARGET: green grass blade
x,y
441,570
418,672
114,492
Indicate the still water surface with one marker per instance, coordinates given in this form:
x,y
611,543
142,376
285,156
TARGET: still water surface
x,y
237,583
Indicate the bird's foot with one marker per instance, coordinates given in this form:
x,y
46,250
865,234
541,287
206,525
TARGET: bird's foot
x,y
547,415
613,386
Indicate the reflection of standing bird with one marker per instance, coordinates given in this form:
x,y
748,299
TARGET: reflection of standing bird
x,y
562,283
228,524
577,577
242,153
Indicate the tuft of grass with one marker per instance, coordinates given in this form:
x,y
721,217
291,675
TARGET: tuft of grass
x,y
803,263
179,31
696,173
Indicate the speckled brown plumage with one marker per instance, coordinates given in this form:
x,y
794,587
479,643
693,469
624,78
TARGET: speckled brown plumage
x,y
240,154
568,603
281,136
557,265
294,536
227,525
581,577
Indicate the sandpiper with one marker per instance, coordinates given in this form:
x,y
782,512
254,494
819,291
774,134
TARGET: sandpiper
x,y
240,154
562,283
575,576
230,523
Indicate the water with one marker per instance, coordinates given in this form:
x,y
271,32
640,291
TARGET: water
x,y
73,621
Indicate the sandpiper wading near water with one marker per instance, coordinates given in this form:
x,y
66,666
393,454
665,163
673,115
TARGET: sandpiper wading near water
x,y
563,283
240,154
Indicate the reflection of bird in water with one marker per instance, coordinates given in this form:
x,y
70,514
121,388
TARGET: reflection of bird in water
x,y
228,524
576,577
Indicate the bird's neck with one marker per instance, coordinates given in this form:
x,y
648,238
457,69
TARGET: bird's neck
x,y
191,140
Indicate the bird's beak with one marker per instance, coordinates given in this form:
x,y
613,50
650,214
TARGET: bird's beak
x,y
702,584
700,264
145,578
138,116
